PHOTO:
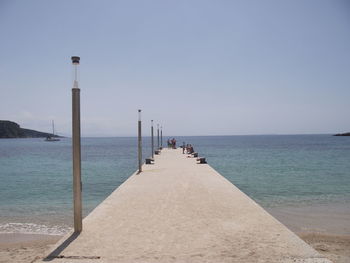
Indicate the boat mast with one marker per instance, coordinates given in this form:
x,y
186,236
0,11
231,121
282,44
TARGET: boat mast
x,y
53,129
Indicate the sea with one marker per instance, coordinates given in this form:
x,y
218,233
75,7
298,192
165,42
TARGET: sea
x,y
303,180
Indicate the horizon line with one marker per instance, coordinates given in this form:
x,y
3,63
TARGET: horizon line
x,y
219,135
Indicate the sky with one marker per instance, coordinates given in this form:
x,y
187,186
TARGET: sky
x,y
196,67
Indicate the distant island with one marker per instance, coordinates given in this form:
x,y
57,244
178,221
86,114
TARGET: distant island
x,y
9,129
343,134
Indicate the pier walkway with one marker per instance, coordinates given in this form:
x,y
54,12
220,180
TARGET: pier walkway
x,y
179,211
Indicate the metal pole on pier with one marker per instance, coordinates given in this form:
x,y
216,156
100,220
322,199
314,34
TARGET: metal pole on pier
x,y
158,137
53,128
139,143
161,137
77,185
152,139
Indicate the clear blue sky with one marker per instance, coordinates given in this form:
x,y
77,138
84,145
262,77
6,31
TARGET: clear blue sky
x,y
197,67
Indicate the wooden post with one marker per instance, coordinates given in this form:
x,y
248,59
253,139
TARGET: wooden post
x,y
77,185
139,143
161,137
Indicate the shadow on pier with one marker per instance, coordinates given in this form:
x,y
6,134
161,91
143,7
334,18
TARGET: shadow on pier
x,y
56,253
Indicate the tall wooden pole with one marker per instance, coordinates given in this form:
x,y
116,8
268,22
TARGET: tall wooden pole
x,y
77,185
161,137
139,143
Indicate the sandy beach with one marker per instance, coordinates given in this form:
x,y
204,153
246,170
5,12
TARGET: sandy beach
x,y
325,227
334,247
24,248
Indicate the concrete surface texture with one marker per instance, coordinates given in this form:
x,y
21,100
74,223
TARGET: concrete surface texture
x,y
179,211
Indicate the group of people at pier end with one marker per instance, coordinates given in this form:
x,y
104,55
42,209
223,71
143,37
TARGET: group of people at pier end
x,y
187,148
172,143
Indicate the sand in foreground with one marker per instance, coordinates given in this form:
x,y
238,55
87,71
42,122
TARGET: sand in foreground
x,y
27,247
335,248
24,248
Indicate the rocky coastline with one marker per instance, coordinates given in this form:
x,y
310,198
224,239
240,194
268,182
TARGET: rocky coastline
x,y
10,129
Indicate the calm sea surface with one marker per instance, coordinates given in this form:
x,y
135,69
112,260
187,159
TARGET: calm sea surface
x,y
276,171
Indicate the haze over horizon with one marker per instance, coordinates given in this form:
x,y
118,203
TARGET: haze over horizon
x,y
196,67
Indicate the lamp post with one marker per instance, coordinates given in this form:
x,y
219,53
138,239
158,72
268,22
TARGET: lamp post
x,y
139,143
158,137
77,185
152,139
161,137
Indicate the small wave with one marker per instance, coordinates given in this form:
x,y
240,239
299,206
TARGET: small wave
x,y
31,228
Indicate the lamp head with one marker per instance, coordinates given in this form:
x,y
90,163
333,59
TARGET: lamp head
x,y
75,60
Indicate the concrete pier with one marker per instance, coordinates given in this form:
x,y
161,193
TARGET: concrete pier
x,y
179,211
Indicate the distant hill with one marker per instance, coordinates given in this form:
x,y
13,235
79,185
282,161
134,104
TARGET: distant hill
x,y
343,134
9,129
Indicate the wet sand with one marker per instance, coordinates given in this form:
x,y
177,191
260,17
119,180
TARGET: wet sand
x,y
24,248
335,248
325,227
329,219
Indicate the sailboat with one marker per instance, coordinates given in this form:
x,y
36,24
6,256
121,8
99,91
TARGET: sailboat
x,y
52,138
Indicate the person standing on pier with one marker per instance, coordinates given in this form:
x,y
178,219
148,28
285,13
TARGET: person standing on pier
x,y
173,143
169,144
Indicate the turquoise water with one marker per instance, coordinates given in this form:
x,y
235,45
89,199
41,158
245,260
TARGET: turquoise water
x,y
283,170
288,170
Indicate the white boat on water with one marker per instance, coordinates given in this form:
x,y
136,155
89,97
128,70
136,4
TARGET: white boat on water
x,y
52,138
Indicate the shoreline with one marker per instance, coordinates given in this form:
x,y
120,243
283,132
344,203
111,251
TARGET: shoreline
x,y
21,248
328,219
334,247
324,227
